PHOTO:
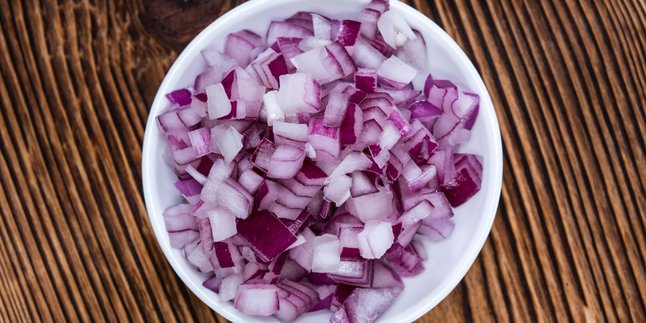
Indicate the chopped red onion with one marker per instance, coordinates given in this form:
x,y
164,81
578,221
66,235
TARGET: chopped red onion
x,y
285,162
322,26
366,80
327,254
286,29
335,108
365,55
299,92
413,52
257,299
228,141
226,224
309,162
243,46
181,97
374,206
395,73
394,29
347,32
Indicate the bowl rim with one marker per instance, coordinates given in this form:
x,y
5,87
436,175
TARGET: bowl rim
x,y
491,203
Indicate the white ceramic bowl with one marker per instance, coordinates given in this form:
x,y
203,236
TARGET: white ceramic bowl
x,y
448,261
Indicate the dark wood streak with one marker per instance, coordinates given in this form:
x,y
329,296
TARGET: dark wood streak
x,y
567,78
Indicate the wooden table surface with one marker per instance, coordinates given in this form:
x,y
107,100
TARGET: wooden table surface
x,y
567,78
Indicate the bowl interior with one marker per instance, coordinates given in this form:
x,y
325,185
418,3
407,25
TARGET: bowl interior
x,y
448,260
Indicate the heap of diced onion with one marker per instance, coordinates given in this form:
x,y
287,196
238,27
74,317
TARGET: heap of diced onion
x,y
309,163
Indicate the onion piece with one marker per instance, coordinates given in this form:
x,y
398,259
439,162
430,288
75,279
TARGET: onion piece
x,y
338,189
200,141
242,46
347,32
199,260
285,162
393,72
320,64
288,46
351,126
380,6
394,29
218,103
374,206
413,52
322,27
466,182
366,80
298,93
324,139
257,299
375,239
343,58
369,18
294,131
226,224
335,108
213,58
228,141
285,29
366,56
352,162
404,260
229,286
181,97
265,234
327,254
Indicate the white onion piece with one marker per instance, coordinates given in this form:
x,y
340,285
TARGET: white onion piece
x,y
198,259
250,180
298,92
218,102
303,254
228,141
271,111
366,56
396,73
327,254
294,131
413,52
417,213
394,28
225,226
318,63
257,299
322,27
389,137
310,151
199,177
220,170
285,162
310,43
373,206
419,248
411,171
352,162
300,239
338,190
375,239
229,286
232,197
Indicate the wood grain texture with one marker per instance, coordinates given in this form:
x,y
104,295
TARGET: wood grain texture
x,y
567,78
